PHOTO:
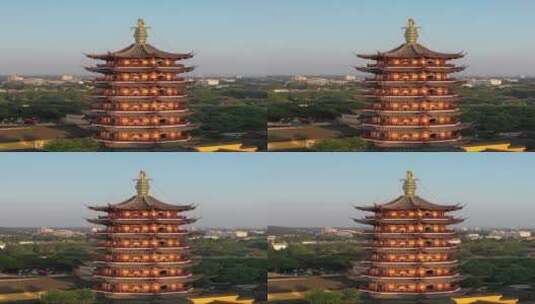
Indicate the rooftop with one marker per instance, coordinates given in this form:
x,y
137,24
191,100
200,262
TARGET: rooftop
x,y
411,48
143,200
141,48
410,201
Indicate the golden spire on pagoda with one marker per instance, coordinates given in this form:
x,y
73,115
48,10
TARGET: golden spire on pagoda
x,y
411,32
141,34
142,184
409,185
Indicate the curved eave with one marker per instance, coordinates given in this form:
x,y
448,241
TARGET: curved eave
x,y
454,262
431,113
380,208
422,249
183,279
389,69
157,55
184,264
110,208
113,70
449,127
138,98
412,98
388,84
414,279
136,295
120,84
401,294
119,234
176,113
184,127
444,221
146,249
108,222
142,143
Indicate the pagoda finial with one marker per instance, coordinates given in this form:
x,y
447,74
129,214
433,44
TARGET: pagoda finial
x,y
411,32
409,185
142,184
141,34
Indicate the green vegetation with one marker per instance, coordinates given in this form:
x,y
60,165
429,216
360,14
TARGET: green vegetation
x,y
46,105
346,296
56,256
231,262
83,296
354,144
329,257
313,106
73,145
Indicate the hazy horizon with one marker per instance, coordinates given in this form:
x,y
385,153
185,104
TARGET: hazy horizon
x,y
241,37
258,190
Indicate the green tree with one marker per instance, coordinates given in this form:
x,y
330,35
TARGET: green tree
x,y
83,296
318,296
341,145
73,145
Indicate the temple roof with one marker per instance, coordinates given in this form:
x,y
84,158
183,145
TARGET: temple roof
x,y
410,201
141,49
143,200
411,48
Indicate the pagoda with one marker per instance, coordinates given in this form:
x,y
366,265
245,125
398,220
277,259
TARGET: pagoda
x,y
140,101
414,98
142,253
413,253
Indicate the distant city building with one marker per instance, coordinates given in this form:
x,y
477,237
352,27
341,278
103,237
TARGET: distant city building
x,y
67,78
2,245
141,99
350,78
415,100
496,82
524,234
300,78
34,81
15,78
317,82
210,82
414,251
279,246
474,236
241,234
143,250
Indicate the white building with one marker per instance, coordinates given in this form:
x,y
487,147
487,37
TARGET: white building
x,y
524,234
14,78
495,82
241,234
300,78
279,246
68,78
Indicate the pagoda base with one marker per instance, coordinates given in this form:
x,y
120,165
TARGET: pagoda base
x,y
141,144
133,298
411,295
408,144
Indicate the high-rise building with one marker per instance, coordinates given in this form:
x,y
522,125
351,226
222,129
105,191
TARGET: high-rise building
x,y
143,252
413,249
413,94
141,98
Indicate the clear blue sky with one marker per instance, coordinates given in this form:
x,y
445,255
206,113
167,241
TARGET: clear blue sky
x,y
266,37
243,190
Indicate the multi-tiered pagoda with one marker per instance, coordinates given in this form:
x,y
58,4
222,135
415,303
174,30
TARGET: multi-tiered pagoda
x,y
142,251
140,100
412,249
414,97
